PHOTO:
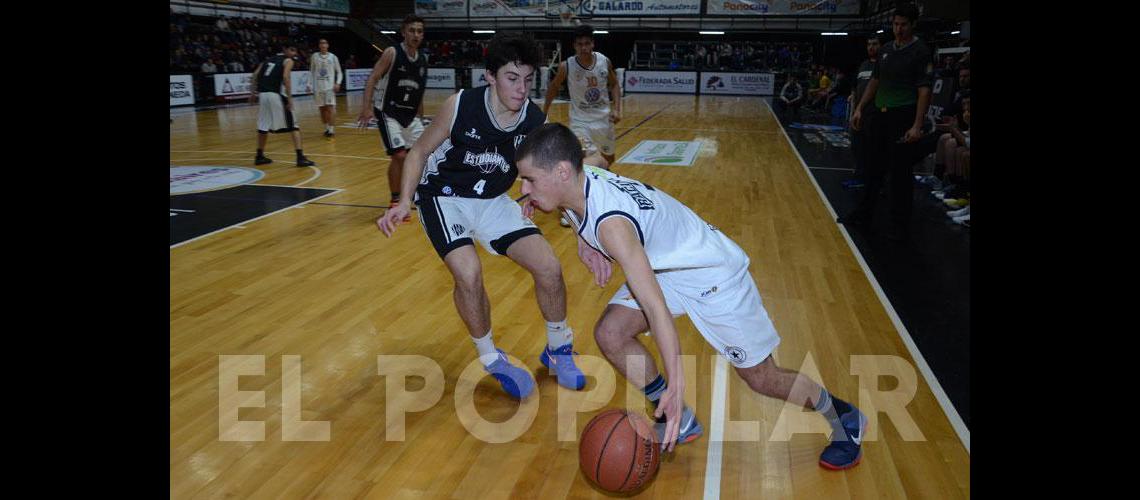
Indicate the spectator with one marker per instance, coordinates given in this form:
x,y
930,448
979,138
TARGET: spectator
x,y
235,66
955,154
791,96
208,67
351,62
702,55
903,73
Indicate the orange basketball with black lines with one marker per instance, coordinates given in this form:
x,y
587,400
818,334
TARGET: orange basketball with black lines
x,y
617,452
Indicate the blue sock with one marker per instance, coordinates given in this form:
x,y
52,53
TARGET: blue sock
x,y
654,390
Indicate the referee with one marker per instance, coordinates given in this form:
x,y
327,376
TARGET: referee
x,y
900,89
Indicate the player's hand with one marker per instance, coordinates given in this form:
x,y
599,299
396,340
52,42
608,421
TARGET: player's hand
x,y
596,263
252,97
336,88
392,218
365,117
615,116
528,208
913,134
671,404
289,104
857,119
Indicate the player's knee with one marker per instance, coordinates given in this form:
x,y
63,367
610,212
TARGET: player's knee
x,y
468,279
400,154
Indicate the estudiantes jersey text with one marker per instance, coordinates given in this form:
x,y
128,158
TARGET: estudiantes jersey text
x,y
478,159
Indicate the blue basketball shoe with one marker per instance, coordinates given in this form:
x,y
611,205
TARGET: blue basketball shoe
x,y
845,451
690,427
515,381
561,361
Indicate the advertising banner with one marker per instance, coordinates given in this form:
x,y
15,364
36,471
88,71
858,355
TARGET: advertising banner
x,y
782,7
181,90
737,83
356,79
441,8
673,82
441,78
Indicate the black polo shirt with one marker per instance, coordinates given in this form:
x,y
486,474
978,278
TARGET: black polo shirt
x,y
901,71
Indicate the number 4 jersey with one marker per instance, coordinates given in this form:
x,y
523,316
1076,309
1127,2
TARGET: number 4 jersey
x,y
675,238
478,159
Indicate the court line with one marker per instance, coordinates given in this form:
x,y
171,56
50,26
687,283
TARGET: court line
x,y
650,117
285,153
715,455
301,205
313,178
827,168
939,394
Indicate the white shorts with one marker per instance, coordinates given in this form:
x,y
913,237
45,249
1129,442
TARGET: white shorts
x,y
596,136
325,98
730,315
394,136
272,115
451,222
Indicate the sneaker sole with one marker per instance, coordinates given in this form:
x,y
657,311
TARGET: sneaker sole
x,y
828,466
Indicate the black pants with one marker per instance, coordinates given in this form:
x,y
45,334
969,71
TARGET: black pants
x,y
886,157
859,140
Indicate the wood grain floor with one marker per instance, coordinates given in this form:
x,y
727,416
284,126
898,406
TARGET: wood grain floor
x,y
317,292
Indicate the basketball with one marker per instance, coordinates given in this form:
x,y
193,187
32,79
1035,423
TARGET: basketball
x,y
617,452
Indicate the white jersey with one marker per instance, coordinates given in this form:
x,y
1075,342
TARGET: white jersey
x,y
675,238
326,71
589,89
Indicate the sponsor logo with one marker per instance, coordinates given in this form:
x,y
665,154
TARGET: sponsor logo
x,y
409,84
714,82
736,354
447,190
758,7
519,140
830,6
472,134
631,188
620,6
632,81
593,94
486,162
708,292
457,229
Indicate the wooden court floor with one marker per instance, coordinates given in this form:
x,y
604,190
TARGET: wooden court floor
x,y
301,303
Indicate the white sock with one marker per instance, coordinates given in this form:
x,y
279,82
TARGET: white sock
x,y
486,348
558,334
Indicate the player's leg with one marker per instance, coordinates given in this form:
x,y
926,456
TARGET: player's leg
x,y
503,230
616,334
289,124
453,243
392,140
264,125
731,317
603,137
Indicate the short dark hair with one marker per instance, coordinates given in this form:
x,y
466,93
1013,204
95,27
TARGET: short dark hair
x,y
907,10
513,47
549,144
409,19
581,31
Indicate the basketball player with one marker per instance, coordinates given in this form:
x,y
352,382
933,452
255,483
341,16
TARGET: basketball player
x,y
462,195
323,66
592,117
394,95
675,263
271,84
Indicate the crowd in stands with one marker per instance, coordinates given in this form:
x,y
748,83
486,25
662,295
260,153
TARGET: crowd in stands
x,y
455,53
950,181
205,46
729,56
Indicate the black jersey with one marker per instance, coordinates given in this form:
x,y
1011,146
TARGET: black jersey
x,y
272,73
478,159
401,90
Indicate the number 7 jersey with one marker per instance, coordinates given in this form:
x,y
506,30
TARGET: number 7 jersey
x,y
477,160
674,237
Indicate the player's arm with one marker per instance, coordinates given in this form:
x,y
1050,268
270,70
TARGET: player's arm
x,y
615,96
618,236
287,82
868,95
378,71
339,74
555,86
416,160
253,83
313,67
